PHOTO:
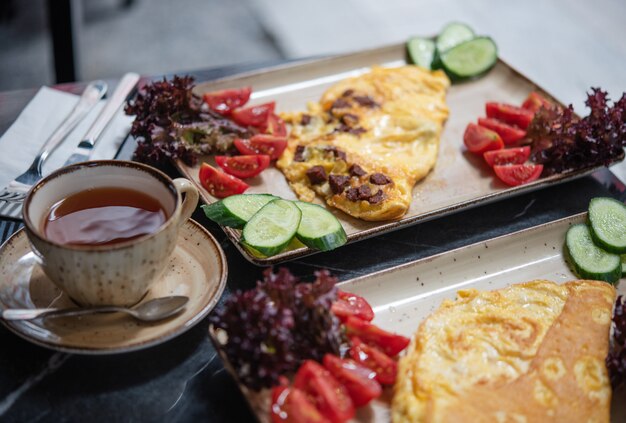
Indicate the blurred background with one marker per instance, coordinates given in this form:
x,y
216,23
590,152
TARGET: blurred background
x,y
565,46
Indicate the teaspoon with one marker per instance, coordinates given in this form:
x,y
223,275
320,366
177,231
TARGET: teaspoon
x,y
153,310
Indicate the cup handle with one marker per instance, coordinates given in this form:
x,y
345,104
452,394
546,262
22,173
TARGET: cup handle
x,y
184,186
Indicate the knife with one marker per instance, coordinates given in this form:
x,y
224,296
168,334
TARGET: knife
x,y
84,149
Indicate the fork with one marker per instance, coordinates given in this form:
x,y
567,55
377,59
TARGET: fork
x,y
13,195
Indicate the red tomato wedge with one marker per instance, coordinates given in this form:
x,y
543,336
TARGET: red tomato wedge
x,y
329,396
262,144
243,166
275,126
520,174
384,366
348,304
507,113
478,139
358,379
388,342
224,102
509,133
514,155
535,101
291,405
219,184
255,115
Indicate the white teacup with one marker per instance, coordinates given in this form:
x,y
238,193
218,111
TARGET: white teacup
x,y
120,273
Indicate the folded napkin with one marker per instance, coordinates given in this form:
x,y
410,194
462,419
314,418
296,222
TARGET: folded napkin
x,y
21,142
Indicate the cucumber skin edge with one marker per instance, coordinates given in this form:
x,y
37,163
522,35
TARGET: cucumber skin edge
x,y
225,220
455,77
336,239
606,247
271,251
596,239
611,278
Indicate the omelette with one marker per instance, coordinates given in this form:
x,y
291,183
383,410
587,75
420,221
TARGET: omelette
x,y
532,352
368,141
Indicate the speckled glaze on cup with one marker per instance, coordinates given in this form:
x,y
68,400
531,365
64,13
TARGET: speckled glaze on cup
x,y
118,274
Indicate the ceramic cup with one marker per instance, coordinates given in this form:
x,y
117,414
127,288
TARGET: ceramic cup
x,y
118,274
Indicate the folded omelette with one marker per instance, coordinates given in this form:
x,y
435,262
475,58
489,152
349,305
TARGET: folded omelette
x,y
532,352
368,140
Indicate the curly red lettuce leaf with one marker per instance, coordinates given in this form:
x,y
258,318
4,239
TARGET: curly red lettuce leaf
x,y
269,331
562,142
616,360
171,123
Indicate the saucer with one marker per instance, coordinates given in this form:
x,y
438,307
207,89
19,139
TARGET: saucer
x,y
196,268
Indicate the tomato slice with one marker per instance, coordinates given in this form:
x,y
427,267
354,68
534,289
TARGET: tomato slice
x,y
478,139
388,342
329,396
291,405
514,155
349,304
509,133
243,166
512,115
262,144
535,101
384,366
520,174
219,184
225,101
275,126
255,115
358,379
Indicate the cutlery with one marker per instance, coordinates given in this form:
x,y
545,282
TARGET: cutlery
x,y
85,147
13,194
151,311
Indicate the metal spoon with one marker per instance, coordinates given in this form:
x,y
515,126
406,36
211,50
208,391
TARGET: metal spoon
x,y
153,310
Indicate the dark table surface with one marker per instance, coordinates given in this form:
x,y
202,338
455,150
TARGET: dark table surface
x,y
184,379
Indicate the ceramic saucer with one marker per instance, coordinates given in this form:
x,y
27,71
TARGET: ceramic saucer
x,y
196,268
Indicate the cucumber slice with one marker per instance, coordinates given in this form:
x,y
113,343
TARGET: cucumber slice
x,y
319,228
452,35
436,64
608,224
470,59
421,51
589,261
623,264
236,210
271,229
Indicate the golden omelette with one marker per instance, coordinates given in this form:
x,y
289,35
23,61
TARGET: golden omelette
x,y
532,352
369,139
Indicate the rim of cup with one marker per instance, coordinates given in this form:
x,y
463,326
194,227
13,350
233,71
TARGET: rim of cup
x,y
34,227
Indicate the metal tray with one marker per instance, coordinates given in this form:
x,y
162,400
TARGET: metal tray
x,y
460,180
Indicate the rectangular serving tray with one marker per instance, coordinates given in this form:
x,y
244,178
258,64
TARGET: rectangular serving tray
x,y
405,295
460,180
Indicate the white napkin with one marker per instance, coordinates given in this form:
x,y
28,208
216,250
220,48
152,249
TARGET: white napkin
x,y
21,142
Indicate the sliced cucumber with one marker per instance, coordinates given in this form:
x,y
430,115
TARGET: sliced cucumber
x,y
271,229
452,35
608,224
623,264
589,261
236,210
421,51
470,59
319,228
